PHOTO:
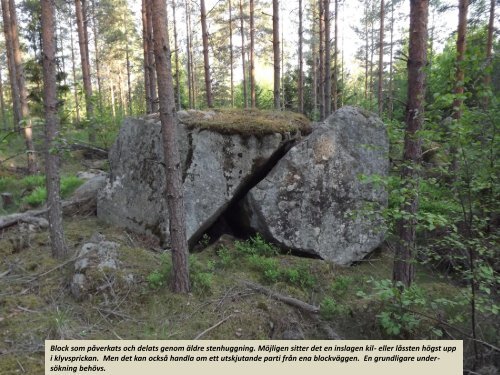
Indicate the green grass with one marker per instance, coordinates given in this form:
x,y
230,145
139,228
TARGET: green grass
x,y
39,195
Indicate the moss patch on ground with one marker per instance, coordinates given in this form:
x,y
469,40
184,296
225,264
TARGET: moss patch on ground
x,y
247,121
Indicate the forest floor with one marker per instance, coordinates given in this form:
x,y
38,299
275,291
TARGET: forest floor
x,y
36,303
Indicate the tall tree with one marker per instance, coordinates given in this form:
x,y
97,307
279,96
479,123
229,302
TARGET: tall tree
x,y
174,193
404,270
52,160
231,55
321,66
151,57
81,22
96,55
335,58
73,70
381,60
147,83
489,48
252,52
177,71
2,104
206,61
328,85
242,32
19,88
300,83
276,54
14,88
463,6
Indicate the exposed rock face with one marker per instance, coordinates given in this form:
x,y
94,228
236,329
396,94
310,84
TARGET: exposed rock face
x,y
314,199
216,167
97,269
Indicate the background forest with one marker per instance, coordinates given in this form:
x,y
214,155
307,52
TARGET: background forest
x,y
305,56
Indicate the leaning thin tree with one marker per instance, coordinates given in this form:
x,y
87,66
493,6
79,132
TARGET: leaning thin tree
x,y
404,268
174,190
52,160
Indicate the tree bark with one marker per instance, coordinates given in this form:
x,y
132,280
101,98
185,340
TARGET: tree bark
x,y
177,71
391,68
489,50
147,84
276,54
242,31
16,103
81,22
52,160
96,55
321,66
335,58
252,51
23,91
73,69
2,104
188,55
300,83
231,54
404,268
206,61
459,76
174,189
328,85
381,60
151,57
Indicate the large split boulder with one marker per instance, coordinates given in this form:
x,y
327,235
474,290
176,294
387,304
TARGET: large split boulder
x,y
318,198
220,158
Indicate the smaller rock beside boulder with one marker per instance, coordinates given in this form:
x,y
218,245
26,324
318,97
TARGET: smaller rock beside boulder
x,y
97,270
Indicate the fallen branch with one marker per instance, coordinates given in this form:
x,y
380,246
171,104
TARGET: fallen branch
x,y
15,219
212,327
101,152
282,298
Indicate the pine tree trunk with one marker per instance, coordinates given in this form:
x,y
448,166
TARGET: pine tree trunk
x,y
206,61
252,51
276,54
366,51
127,62
489,50
372,52
151,57
73,70
2,104
231,54
96,55
23,91
300,83
52,160
147,84
321,67
177,71
242,32
16,103
188,55
459,77
335,58
84,55
404,268
328,84
391,68
174,193
315,58
381,60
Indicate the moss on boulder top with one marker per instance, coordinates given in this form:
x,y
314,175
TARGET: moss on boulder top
x,y
246,121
